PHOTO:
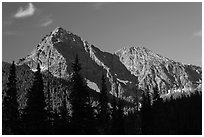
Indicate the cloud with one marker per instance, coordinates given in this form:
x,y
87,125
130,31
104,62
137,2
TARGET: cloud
x,y
198,33
47,23
26,11
99,5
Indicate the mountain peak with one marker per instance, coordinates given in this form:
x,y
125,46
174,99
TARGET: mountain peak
x,y
144,49
142,52
133,63
133,48
61,35
135,51
58,30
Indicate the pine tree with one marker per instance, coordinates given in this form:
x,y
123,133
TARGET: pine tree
x,y
114,115
64,120
120,119
10,103
103,106
157,100
157,112
137,98
146,112
82,112
56,123
35,114
155,94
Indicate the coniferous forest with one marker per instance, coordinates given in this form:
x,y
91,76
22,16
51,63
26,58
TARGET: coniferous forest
x,y
79,114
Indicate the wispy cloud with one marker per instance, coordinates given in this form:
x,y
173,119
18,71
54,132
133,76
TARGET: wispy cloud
x,y
27,11
46,21
99,5
198,33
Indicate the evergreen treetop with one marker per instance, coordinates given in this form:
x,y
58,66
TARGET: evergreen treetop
x,y
10,103
82,111
35,114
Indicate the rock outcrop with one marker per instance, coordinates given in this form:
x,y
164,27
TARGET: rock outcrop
x,y
131,68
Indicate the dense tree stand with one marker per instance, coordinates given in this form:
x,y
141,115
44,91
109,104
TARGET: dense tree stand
x,y
82,111
10,105
35,114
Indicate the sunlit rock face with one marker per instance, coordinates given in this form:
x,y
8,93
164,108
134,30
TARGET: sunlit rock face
x,y
154,70
60,48
131,68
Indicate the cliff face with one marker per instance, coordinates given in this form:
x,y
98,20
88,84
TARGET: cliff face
x,y
130,67
60,48
154,70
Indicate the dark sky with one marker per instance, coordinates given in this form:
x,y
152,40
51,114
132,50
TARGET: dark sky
x,y
169,29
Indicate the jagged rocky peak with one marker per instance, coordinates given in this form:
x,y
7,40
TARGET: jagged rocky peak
x,y
140,53
154,70
46,52
133,50
64,37
130,66
139,48
59,34
59,49
139,60
59,30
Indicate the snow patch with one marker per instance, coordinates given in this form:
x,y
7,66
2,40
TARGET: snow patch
x,y
123,81
178,90
42,68
92,85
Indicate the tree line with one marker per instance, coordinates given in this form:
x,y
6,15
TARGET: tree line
x,y
37,117
180,116
156,116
